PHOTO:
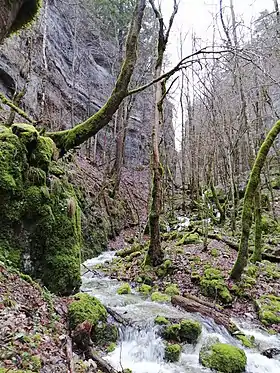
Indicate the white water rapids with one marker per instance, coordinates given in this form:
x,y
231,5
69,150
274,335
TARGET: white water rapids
x,y
141,349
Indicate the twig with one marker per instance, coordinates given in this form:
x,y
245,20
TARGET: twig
x,y
19,111
69,354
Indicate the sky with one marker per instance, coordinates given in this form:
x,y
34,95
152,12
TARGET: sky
x,y
197,16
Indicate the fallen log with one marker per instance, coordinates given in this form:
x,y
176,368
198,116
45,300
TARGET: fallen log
x,y
265,255
69,354
191,303
101,363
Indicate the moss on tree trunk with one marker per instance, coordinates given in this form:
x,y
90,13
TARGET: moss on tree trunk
x,y
69,139
257,254
248,204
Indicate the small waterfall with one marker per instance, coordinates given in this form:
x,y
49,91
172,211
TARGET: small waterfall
x,y
142,350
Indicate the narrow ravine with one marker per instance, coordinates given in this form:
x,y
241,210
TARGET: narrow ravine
x,y
142,350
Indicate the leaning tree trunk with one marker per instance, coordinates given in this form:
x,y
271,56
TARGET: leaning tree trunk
x,y
248,203
69,139
257,254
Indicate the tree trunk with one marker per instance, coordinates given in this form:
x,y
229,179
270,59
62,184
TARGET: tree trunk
x,y
248,203
257,254
155,252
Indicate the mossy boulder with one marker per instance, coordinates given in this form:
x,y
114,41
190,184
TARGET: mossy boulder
x,y
223,358
248,342
104,334
86,308
190,331
185,331
124,289
160,297
269,309
172,290
145,289
40,224
165,268
172,352
212,284
161,320
189,238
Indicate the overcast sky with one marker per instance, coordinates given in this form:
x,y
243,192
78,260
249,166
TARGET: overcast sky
x,y
197,16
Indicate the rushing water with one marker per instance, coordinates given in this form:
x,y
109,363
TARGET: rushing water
x,y
142,350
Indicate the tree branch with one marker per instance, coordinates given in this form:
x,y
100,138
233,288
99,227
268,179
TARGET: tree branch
x,y
19,111
69,139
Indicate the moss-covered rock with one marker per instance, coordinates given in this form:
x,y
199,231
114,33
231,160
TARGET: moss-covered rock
x,y
223,358
189,331
104,334
161,320
185,331
189,238
172,290
160,297
212,284
145,289
124,289
165,268
85,308
40,224
248,342
269,309
172,352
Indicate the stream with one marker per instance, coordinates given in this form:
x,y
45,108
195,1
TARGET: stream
x,y
142,350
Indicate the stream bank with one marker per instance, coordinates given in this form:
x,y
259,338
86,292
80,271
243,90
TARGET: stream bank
x,y
141,349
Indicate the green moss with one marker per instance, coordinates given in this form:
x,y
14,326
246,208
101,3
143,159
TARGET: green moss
x,y
124,289
112,346
43,153
214,252
223,358
171,332
172,290
189,238
85,308
145,289
104,334
38,222
248,342
165,268
269,309
213,285
190,331
27,15
159,297
172,352
268,224
161,320
185,331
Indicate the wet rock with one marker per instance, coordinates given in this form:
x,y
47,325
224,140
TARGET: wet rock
x,y
271,353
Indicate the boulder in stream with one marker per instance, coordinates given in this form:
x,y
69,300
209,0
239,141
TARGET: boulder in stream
x,y
222,357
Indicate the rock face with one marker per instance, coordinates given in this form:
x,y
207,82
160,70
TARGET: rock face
x,y
69,68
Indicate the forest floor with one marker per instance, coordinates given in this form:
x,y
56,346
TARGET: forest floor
x,y
34,333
